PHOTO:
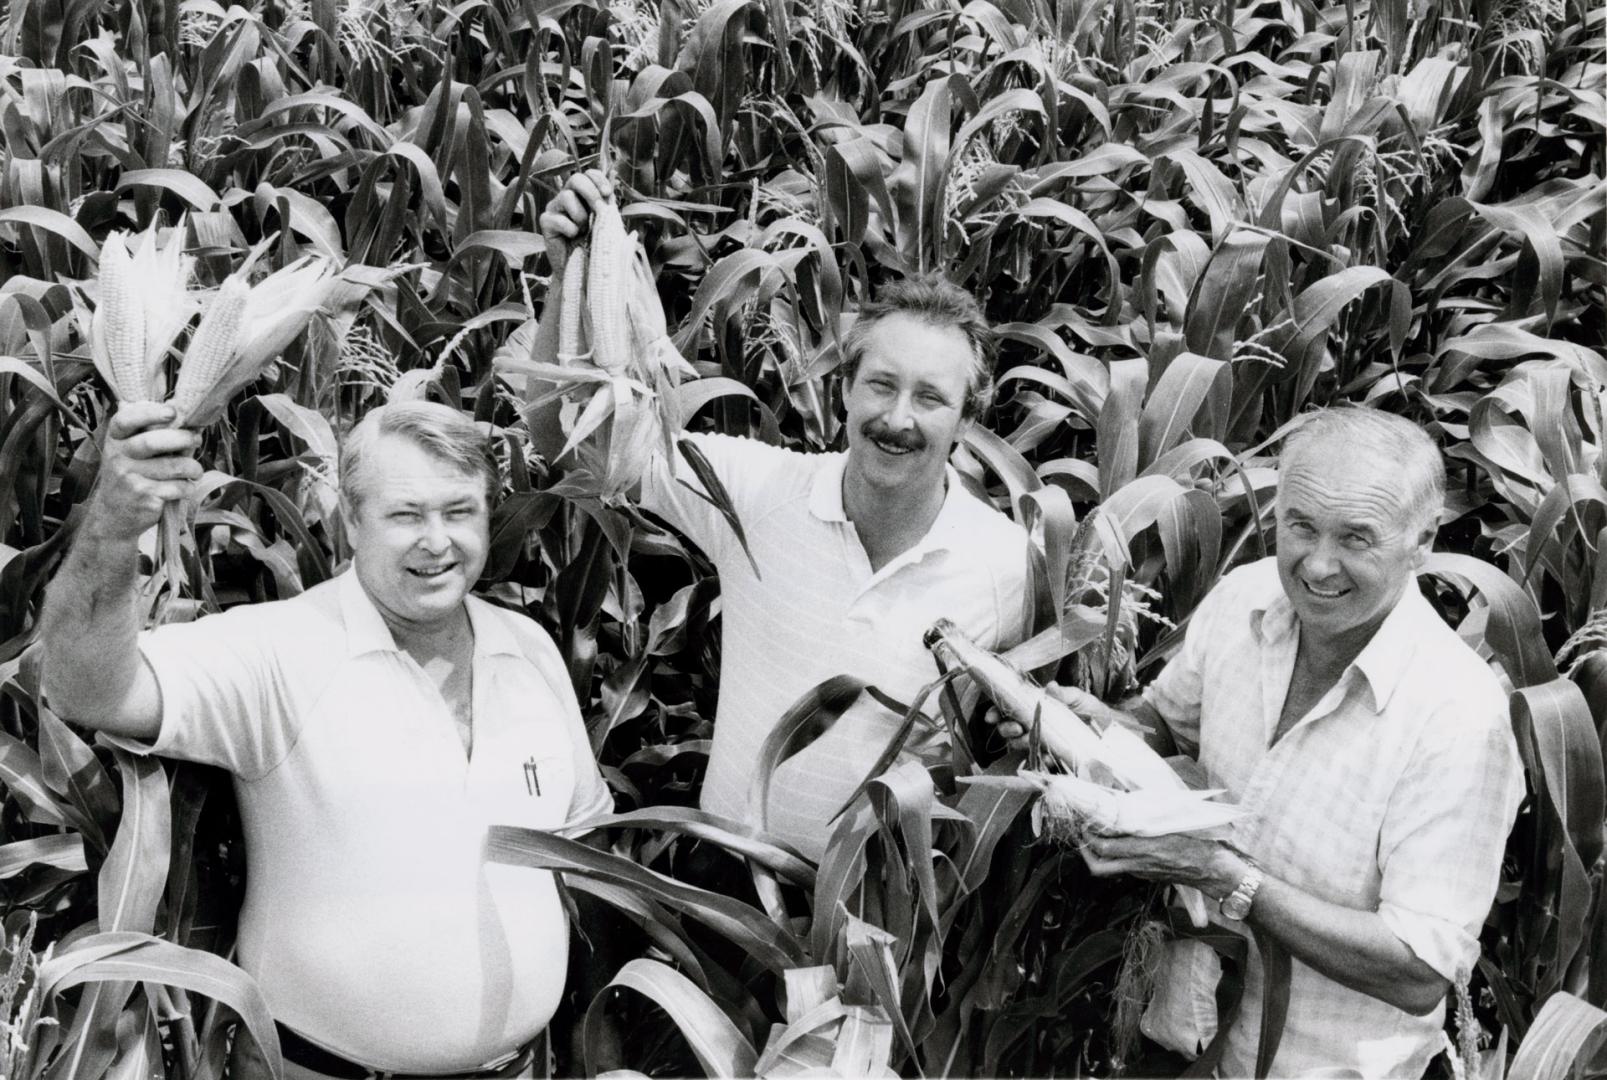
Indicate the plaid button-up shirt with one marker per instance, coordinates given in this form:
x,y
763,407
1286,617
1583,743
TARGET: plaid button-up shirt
x,y
1393,794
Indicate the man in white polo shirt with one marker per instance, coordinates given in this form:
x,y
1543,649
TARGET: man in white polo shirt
x,y
376,725
858,553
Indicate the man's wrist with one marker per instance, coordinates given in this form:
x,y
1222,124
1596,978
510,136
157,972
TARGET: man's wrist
x,y
1230,868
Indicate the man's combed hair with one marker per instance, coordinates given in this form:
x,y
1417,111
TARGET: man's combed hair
x,y
1394,438
936,301
439,430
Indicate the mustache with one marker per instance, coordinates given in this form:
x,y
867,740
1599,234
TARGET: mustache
x,y
904,440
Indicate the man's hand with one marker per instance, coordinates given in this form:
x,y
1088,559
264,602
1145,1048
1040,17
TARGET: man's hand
x,y
568,215
145,464
1179,859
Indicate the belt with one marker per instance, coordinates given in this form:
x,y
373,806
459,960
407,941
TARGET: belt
x,y
299,1051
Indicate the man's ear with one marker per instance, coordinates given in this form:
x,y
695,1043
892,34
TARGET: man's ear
x,y
1425,542
348,515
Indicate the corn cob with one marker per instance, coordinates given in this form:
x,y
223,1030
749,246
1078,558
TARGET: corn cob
x,y
572,308
212,349
121,316
608,284
1128,759
1072,801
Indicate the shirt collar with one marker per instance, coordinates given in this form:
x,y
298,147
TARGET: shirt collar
x,y
367,631
1383,661
826,503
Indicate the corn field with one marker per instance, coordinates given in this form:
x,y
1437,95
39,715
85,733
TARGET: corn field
x,y
1190,222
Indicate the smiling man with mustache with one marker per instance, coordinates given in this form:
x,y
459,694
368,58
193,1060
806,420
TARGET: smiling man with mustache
x,y
858,553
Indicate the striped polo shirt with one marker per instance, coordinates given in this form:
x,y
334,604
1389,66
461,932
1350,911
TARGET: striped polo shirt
x,y
816,609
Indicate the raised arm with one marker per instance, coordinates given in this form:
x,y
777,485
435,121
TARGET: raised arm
x,y
93,673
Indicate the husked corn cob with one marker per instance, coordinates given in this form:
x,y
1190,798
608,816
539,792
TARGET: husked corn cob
x,y
572,307
1128,758
212,349
1069,801
122,320
608,287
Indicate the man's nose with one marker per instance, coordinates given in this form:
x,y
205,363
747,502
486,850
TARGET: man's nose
x,y
433,536
901,414
1323,559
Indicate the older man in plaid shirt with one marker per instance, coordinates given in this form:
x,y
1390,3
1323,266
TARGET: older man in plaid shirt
x,y
1372,750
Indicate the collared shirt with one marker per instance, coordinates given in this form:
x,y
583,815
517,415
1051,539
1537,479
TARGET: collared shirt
x,y
1393,794
372,921
816,609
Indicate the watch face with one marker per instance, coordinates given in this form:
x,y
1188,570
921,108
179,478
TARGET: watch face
x,y
1236,907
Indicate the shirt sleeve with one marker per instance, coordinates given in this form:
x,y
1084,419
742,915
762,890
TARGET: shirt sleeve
x,y
745,468
1444,836
222,701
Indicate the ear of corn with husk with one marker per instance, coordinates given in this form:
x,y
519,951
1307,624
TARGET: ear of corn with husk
x,y
1115,779
142,303
612,354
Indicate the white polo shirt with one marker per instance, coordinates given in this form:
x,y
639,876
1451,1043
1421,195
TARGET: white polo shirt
x,y
816,609
371,919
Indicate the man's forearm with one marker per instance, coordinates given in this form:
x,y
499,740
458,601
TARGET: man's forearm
x,y
90,637
1354,948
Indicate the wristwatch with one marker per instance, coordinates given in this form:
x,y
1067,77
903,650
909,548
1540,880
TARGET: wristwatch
x,y
1236,904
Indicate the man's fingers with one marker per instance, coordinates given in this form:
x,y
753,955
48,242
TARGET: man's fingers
x,y
592,185
161,442
171,468
133,417
171,490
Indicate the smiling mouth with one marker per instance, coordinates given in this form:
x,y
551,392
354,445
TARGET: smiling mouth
x,y
896,449
430,573
1323,594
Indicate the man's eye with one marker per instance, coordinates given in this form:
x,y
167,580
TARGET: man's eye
x,y
1358,543
935,401
403,515
1299,528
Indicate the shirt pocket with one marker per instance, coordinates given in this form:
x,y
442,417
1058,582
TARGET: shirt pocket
x,y
529,789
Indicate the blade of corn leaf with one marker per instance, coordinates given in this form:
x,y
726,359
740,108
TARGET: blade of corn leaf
x,y
806,720
134,875
71,768
1192,397
807,988
656,922
910,715
741,923
23,775
1571,774
904,798
131,957
864,1044
1513,631
714,493
842,868
729,833
870,949
1567,1036
1118,429
65,851
720,1048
